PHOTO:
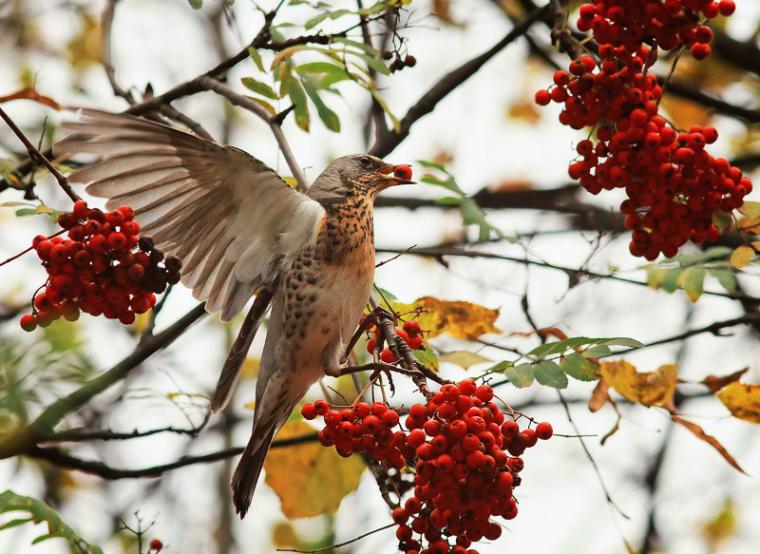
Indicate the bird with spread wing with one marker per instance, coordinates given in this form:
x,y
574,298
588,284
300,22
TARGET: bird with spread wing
x,y
241,231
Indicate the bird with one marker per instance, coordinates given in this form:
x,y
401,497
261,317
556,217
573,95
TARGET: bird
x,y
241,232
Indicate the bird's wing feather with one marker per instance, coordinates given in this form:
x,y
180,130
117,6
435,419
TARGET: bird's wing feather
x,y
226,215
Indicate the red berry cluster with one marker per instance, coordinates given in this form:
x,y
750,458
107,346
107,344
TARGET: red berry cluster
x,y
674,186
669,25
411,333
465,457
361,428
95,269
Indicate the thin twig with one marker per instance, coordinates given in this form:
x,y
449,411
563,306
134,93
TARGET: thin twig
x,y
339,545
256,109
37,155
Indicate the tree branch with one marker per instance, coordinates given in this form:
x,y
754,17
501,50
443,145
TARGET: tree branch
x,y
274,124
60,458
42,427
388,140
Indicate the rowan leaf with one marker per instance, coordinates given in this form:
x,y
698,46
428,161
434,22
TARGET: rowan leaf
x,y
460,319
717,382
742,256
309,479
600,396
463,358
40,512
520,376
743,401
259,88
654,388
693,282
427,357
549,374
580,368
709,439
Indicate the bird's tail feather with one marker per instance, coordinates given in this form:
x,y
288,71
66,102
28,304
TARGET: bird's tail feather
x,y
231,370
249,467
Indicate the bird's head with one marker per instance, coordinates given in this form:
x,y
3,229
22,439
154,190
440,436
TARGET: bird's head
x,y
358,175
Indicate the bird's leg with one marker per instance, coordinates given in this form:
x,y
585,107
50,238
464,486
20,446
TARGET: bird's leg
x,y
364,325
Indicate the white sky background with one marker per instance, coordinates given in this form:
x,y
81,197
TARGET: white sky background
x,y
562,508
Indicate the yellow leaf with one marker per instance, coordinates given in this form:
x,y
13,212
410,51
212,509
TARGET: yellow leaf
x,y
654,388
86,48
709,439
463,320
743,401
141,322
463,358
722,526
284,536
250,368
742,256
309,478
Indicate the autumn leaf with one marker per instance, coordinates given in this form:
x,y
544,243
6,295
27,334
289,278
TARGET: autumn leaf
x,y
250,368
743,401
86,47
717,382
653,388
28,93
462,320
600,396
463,358
722,526
284,536
742,256
310,479
709,439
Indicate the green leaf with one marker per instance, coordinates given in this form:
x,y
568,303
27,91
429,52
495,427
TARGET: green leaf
x,y
23,212
16,522
449,184
42,513
549,374
314,21
259,88
449,201
195,4
580,368
726,278
256,57
370,51
597,351
328,117
427,356
384,105
620,341
520,376
375,63
693,282
670,279
500,367
300,107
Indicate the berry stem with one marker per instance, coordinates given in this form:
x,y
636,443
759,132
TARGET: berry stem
x,y
16,256
34,153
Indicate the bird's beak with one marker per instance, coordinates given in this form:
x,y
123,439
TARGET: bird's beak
x,y
393,176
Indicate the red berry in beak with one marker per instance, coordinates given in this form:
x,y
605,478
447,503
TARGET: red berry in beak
x,y
403,172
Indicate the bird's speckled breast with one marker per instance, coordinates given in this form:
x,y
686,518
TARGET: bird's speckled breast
x,y
326,288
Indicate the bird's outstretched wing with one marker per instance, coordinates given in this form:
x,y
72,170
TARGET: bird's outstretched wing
x,y
228,216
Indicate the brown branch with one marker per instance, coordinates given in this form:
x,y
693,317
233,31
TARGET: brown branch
x,y
339,545
62,459
41,428
273,122
448,83
35,154
573,273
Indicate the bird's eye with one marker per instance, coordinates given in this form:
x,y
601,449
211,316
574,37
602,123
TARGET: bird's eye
x,y
365,161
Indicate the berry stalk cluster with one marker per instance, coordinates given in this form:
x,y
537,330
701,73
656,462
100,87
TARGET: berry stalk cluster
x,y
464,455
103,267
673,184
410,333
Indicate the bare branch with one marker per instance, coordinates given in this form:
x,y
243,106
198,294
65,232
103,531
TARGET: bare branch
x,y
448,83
